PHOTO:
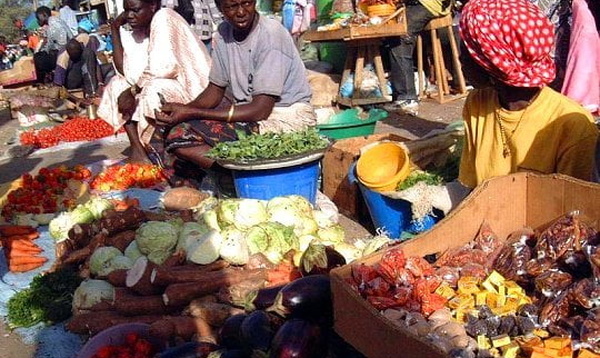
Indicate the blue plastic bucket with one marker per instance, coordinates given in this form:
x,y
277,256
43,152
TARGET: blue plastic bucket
x,y
266,184
394,216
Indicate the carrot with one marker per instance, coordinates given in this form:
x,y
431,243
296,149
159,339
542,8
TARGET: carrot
x,y
23,244
31,236
24,267
12,230
26,259
23,250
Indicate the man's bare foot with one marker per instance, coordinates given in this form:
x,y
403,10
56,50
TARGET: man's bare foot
x,y
139,157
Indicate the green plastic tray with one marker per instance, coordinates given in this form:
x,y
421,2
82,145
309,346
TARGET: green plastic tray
x,y
347,124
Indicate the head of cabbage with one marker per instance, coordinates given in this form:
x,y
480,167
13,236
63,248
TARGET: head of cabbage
x,y
241,213
272,239
154,236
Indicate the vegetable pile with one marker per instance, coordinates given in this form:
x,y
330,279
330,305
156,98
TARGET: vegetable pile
x,y
47,299
20,252
269,145
133,346
74,130
130,175
49,191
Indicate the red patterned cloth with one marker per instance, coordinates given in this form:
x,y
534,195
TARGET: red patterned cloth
x,y
511,39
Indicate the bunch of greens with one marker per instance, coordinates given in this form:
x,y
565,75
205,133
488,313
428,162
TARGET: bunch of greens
x,y
269,145
47,299
417,176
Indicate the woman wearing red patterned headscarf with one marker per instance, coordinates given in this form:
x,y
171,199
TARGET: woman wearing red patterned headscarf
x,y
513,121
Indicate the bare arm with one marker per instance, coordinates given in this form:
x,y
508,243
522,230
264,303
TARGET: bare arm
x,y
115,27
203,108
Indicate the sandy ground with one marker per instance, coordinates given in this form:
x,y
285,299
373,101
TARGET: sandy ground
x,y
13,163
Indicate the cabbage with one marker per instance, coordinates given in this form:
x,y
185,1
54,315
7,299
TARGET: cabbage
x,y
81,215
323,220
154,236
97,205
211,220
91,292
59,226
349,252
132,251
302,204
158,257
205,249
272,239
120,262
100,261
241,213
234,248
190,232
304,241
375,243
331,235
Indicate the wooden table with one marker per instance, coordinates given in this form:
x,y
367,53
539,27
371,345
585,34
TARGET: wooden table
x,y
363,47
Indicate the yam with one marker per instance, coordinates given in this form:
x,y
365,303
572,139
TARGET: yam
x,y
179,294
139,305
212,313
138,277
117,221
81,234
185,327
182,198
162,276
121,240
117,278
94,322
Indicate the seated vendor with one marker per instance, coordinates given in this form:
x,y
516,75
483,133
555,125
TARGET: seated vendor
x,y
257,62
513,121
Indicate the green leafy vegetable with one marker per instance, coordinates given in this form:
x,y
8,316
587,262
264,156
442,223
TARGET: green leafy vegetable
x,y
48,299
269,145
417,176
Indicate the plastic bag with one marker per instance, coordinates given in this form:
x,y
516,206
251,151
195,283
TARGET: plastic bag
x,y
486,239
512,259
552,282
569,232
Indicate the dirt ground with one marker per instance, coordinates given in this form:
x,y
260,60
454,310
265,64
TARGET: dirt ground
x,y
14,162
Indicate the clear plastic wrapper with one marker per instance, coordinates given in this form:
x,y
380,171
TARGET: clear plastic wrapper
x,y
585,293
569,232
449,275
514,256
486,239
460,256
474,270
590,333
555,309
593,254
552,282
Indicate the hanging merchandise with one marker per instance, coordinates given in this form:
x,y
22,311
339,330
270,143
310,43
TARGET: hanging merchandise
x,y
288,12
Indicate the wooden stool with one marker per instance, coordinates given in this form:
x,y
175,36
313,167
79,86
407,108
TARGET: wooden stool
x,y
438,60
361,52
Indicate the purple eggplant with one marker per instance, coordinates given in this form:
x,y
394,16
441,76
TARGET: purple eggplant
x,y
257,331
298,338
262,298
230,334
308,298
319,259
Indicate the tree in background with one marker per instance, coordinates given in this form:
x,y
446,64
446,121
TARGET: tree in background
x,y
13,10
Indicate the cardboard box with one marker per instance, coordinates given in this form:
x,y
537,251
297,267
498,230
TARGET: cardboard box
x,y
23,71
337,162
508,203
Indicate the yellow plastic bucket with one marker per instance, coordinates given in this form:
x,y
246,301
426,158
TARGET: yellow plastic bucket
x,y
382,166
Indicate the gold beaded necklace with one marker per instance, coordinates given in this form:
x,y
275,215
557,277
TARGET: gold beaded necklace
x,y
506,152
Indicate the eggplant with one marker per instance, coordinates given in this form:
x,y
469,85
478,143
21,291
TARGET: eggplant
x,y
257,332
262,298
308,298
189,350
230,334
298,338
319,259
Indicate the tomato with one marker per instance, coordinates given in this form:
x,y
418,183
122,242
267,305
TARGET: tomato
x,y
131,338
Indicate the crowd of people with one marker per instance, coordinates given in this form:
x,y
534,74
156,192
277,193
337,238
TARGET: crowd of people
x,y
178,93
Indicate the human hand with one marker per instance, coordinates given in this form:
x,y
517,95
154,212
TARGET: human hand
x,y
173,113
119,20
126,102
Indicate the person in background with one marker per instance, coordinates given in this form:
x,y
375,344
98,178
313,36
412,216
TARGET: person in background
x,y
256,60
402,77
68,15
513,120
157,53
55,34
207,18
81,71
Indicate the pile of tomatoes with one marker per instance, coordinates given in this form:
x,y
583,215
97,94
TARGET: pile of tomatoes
x,y
74,130
134,346
44,192
130,175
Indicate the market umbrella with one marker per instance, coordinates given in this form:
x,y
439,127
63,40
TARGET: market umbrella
x,y
30,22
